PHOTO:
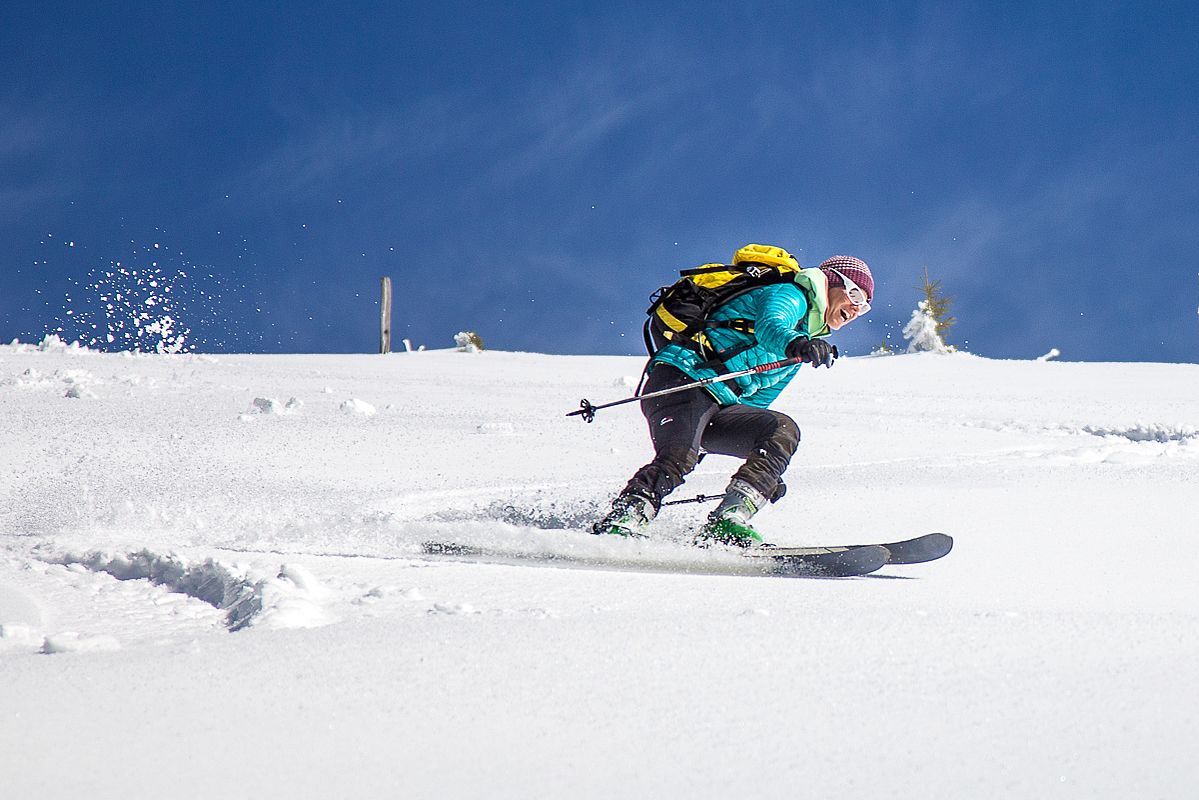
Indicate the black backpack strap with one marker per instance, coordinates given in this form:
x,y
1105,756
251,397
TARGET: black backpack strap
x,y
687,273
649,340
740,325
717,361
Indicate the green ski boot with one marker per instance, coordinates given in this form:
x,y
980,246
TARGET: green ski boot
x,y
630,516
729,523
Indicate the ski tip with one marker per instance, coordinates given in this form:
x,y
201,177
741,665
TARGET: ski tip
x,y
878,554
936,541
928,547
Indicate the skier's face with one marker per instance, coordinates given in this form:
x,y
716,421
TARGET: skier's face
x,y
841,310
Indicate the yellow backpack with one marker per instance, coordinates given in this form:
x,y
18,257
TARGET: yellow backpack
x,y
678,314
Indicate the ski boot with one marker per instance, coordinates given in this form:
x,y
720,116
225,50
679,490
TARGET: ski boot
x,y
630,516
729,523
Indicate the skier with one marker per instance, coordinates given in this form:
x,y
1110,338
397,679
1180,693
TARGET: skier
x,y
789,321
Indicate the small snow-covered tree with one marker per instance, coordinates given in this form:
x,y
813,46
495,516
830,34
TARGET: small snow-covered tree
x,y
921,332
930,321
468,342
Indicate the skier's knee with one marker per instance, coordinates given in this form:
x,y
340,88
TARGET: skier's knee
x,y
786,434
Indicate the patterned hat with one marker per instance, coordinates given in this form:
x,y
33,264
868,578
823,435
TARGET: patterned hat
x,y
853,268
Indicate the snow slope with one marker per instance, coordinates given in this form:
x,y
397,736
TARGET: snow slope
x,y
211,582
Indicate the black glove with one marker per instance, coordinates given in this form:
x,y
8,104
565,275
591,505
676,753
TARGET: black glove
x,y
814,351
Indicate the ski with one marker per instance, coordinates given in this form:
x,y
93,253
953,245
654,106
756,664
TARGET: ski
x,y
835,561
929,547
790,562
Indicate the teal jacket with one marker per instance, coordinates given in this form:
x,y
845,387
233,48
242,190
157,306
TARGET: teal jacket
x,y
781,313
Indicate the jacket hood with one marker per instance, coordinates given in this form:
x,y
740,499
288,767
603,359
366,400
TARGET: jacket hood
x,y
814,284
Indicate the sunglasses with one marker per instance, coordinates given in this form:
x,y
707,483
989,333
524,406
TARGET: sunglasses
x,y
856,294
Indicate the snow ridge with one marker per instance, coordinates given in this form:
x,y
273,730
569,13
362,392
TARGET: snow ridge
x,y
1154,432
290,599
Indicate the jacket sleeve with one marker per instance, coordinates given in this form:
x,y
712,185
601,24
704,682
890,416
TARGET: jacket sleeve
x,y
780,313
782,309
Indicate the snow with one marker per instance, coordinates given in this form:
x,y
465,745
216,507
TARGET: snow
x,y
269,405
246,609
360,407
921,331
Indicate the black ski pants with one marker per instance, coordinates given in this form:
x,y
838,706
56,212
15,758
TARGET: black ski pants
x,y
685,423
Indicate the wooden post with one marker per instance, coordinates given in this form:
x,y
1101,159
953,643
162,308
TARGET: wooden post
x,y
385,318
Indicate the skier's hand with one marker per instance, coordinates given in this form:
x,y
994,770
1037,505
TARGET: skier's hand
x,y
814,351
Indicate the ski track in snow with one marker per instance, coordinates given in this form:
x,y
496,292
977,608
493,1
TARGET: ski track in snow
x,y
289,599
145,597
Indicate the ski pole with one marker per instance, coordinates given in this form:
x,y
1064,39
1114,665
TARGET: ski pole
x,y
587,410
699,498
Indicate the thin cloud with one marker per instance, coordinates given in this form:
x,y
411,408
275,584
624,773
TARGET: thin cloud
x,y
575,111
340,148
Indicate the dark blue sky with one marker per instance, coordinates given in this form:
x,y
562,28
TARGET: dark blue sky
x,y
532,171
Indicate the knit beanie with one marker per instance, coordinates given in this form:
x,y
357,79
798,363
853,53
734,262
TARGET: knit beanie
x,y
853,268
